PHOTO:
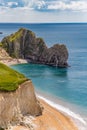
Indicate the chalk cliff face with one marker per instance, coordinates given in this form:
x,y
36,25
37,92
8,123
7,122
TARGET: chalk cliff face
x,y
15,104
24,44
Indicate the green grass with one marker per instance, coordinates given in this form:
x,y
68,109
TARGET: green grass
x,y
0,44
1,128
15,36
10,79
18,34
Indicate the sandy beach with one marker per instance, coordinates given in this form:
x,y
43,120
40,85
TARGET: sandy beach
x,y
11,61
51,119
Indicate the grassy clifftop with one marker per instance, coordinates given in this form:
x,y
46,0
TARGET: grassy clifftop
x,y
10,79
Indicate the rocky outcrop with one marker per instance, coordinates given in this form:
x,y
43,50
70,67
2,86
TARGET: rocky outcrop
x,y
14,105
57,55
4,54
24,44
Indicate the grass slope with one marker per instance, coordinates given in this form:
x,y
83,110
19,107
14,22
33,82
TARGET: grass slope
x,y
10,79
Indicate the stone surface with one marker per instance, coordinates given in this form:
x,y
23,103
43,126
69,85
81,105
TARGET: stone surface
x,y
4,55
14,105
24,44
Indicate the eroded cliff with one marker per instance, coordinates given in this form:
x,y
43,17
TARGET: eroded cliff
x,y
4,55
24,44
14,105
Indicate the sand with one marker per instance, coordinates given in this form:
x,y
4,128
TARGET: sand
x,y
51,119
11,61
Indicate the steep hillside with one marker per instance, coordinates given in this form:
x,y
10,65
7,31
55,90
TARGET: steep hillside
x,y
10,79
24,44
17,97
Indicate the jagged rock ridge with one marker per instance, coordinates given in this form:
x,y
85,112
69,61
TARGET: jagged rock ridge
x,y
24,44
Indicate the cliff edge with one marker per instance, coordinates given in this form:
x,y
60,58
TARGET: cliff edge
x,y
17,97
24,44
14,105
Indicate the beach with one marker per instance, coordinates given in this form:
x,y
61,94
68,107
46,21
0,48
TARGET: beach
x,y
11,61
51,118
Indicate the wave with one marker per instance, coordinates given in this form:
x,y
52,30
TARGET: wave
x,y
76,117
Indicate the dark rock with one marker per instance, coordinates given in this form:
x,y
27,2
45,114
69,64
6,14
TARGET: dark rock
x,y
1,32
24,44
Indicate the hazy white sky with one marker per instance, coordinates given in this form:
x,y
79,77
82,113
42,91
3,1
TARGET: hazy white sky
x,y
43,11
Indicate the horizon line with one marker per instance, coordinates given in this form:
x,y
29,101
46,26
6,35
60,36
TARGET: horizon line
x,y
43,22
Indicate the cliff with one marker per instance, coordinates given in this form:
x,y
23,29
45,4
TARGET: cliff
x,y
10,79
24,44
14,105
17,97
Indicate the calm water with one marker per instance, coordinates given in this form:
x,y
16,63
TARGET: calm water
x,y
69,84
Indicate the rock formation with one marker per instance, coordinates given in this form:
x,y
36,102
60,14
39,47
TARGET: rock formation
x,y
13,105
24,44
4,55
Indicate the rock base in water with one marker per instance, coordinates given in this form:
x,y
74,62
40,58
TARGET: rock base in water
x,y
24,44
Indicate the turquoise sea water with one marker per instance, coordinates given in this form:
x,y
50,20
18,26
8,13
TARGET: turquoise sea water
x,y
68,84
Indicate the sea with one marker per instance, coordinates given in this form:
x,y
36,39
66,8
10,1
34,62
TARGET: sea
x,y
63,88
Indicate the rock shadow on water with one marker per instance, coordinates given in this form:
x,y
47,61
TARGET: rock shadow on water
x,y
60,72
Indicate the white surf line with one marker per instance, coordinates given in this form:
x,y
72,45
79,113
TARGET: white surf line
x,y
63,109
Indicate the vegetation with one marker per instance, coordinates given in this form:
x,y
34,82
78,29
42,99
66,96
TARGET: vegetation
x,y
0,44
18,34
10,79
1,128
15,35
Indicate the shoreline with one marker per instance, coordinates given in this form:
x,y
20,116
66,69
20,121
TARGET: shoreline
x,y
63,121
51,119
44,102
75,118
11,61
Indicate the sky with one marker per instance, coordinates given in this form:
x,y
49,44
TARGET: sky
x,y
43,11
